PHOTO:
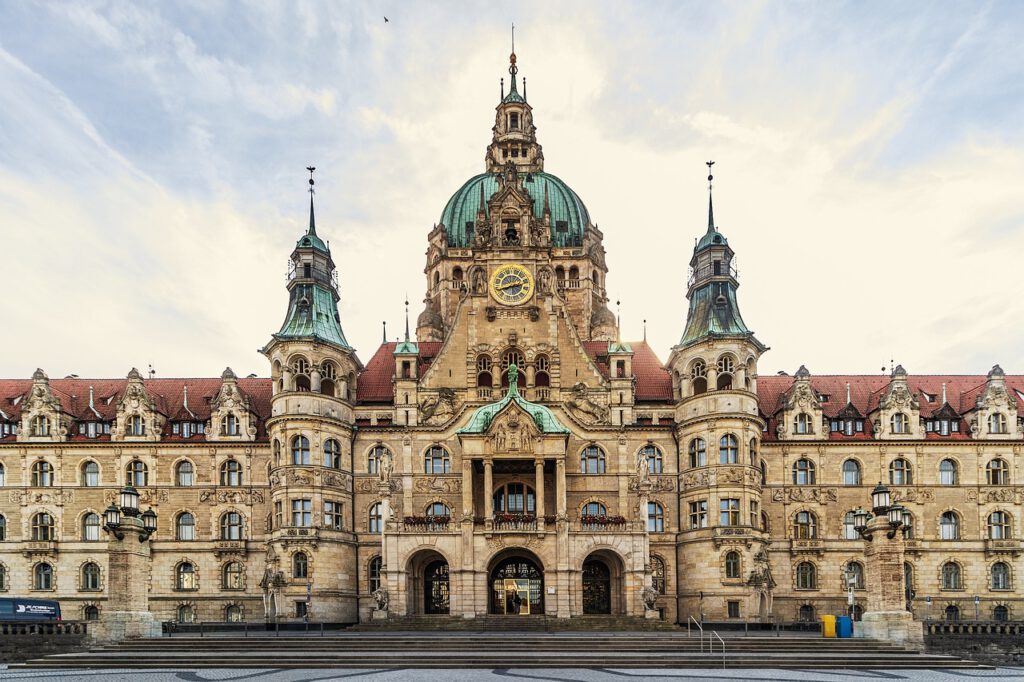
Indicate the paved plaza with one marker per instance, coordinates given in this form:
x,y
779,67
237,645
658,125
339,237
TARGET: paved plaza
x,y
504,674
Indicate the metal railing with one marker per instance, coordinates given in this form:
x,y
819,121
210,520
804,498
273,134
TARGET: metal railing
x,y
711,645
711,633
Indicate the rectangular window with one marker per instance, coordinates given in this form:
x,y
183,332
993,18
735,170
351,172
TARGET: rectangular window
x,y
302,513
301,609
699,514
729,512
734,609
332,515
755,516
513,122
278,514
860,426
561,226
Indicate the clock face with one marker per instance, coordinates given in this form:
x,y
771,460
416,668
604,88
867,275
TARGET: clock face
x,y
511,284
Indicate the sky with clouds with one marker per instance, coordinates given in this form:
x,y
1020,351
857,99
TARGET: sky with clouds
x,y
870,168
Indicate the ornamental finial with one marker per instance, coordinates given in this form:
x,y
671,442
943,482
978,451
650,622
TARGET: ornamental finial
x,y
711,212
312,219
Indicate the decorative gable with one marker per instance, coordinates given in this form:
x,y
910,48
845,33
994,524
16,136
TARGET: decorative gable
x,y
42,418
995,410
898,416
513,431
802,417
137,415
231,414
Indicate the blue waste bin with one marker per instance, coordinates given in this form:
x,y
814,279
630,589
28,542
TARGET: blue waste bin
x,y
844,627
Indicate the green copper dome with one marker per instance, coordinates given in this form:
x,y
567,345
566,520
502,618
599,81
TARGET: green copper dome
x,y
569,216
543,417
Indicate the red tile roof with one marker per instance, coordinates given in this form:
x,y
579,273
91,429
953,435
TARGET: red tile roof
x,y
376,380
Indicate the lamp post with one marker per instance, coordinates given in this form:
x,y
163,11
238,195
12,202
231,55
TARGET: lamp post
x,y
884,532
126,615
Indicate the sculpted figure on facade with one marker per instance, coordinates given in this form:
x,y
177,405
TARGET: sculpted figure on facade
x,y
585,409
438,409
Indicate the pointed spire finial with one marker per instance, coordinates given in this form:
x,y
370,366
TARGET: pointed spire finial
x,y
385,338
645,331
312,219
407,317
618,321
512,68
711,211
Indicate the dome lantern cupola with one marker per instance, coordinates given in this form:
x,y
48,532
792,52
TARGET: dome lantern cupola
x,y
515,136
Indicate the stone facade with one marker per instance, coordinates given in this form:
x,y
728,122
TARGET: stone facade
x,y
513,454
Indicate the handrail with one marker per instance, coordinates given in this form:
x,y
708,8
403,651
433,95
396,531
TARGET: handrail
x,y
711,645
699,627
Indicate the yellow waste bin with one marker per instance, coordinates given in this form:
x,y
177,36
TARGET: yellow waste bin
x,y
828,626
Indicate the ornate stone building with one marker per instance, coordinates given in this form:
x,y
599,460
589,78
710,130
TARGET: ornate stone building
x,y
514,455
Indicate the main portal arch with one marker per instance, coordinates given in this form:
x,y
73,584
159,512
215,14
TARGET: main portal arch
x,y
516,581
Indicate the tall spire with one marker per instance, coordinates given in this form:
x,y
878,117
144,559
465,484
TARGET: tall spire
x,y
711,210
312,218
512,68
385,325
407,320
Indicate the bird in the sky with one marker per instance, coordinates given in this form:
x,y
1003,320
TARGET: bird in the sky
x,y
386,20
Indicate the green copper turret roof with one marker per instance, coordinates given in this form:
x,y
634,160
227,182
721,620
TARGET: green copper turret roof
x,y
714,312
543,417
312,313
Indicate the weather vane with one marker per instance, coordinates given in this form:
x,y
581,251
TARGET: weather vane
x,y
711,177
311,183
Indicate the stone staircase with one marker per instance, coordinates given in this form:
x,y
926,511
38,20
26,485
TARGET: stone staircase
x,y
499,623
368,649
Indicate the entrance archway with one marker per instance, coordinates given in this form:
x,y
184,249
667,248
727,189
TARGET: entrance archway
x,y
517,586
429,587
602,576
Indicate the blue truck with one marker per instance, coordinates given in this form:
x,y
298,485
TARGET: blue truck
x,y
17,609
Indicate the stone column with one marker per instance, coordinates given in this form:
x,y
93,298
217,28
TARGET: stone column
x,y
887,617
468,509
538,466
126,615
488,492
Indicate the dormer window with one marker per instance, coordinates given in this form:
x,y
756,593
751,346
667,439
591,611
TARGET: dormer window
x,y
93,429
8,429
847,427
900,423
943,427
802,424
997,423
229,425
187,429
136,425
40,426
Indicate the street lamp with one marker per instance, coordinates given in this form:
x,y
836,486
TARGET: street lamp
x,y
860,519
112,521
148,523
129,498
880,499
117,517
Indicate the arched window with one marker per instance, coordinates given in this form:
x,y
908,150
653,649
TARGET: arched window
x,y
658,574
803,472
541,376
725,369
997,422
728,449
806,576
589,514
999,527
185,526
805,526
184,474
91,527
90,577
753,452
185,576
436,460
231,472
908,524
300,565
952,613
949,526
997,472
484,378
802,424
508,358
807,613
655,518
42,527
42,474
592,460
698,453
732,565
300,369
40,426
908,581
376,518
186,614
3,528
948,472
855,570
515,498
951,578
850,527
1000,576
851,472
229,425
900,472
900,423
300,450
1000,613
328,378
136,473
437,510
277,452
231,526
233,613
374,574
699,377
42,577
91,612
136,425
232,576
373,459
90,474
332,454
655,462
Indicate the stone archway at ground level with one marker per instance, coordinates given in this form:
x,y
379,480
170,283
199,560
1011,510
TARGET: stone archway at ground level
x,y
515,581
429,587
602,578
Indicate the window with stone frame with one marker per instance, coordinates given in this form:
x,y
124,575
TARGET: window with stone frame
x,y
728,449
136,474
334,515
91,527
3,578
233,613
232,576
729,511
300,450
332,454
997,423
135,425
3,527
952,613
42,474
185,576
699,377
899,423
999,526
374,574
805,526
948,474
300,566
698,453
851,472
949,526
900,472
90,474
592,460
1000,613
40,425
184,474
231,473
856,570
850,526
997,472
302,513
658,574
951,576
436,460
229,425
732,565
375,521
803,424
185,613
43,527
806,576
375,457
232,526
652,453
655,518
1000,576
91,612
90,577
698,514
42,576
806,614
804,472
185,526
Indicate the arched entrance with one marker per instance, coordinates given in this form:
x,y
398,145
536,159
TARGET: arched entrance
x,y
429,587
602,576
517,586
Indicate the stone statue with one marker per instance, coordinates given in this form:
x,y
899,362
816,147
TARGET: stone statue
x,y
643,467
380,595
479,282
650,598
386,466
438,409
581,404
544,281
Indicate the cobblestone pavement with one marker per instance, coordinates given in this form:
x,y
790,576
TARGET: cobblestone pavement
x,y
505,674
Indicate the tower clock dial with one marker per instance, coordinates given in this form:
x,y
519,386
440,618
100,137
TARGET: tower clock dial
x,y
511,284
